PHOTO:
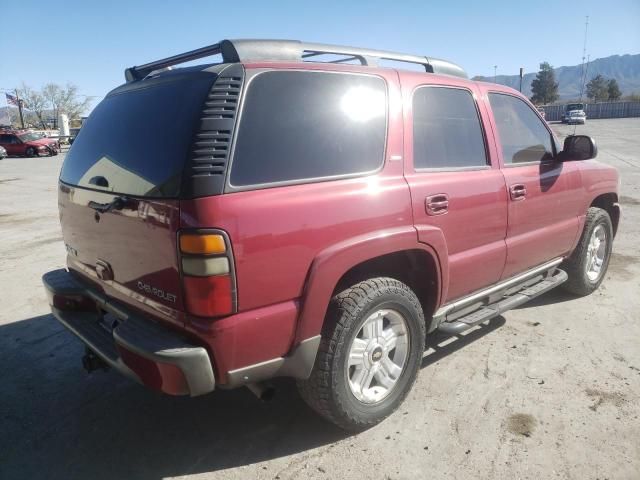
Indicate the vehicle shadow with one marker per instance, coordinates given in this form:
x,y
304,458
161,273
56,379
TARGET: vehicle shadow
x,y
58,422
439,345
557,295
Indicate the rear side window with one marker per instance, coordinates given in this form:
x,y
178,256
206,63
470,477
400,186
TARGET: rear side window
x,y
523,136
297,126
136,142
446,129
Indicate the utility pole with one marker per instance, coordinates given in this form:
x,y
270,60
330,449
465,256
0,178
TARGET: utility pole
x,y
20,108
586,72
584,56
521,74
495,69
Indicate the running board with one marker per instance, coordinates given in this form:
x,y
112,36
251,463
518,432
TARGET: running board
x,y
454,324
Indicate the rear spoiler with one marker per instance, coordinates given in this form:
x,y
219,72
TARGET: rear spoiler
x,y
234,51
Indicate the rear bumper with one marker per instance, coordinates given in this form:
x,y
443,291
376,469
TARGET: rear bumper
x,y
137,347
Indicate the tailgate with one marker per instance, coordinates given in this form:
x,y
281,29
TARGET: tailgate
x,y
128,251
120,188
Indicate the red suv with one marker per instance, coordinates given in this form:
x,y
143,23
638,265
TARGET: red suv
x,y
274,215
28,144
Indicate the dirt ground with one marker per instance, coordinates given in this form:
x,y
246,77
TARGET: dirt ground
x,y
550,390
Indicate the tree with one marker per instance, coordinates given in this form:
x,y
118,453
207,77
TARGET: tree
x,y
544,87
597,88
64,100
34,103
613,90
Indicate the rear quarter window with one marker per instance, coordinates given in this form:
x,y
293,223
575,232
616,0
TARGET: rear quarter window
x,y
296,126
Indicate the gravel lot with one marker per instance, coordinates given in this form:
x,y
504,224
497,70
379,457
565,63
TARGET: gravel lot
x,y
551,390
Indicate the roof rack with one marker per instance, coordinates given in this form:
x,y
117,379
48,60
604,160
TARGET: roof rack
x,y
234,51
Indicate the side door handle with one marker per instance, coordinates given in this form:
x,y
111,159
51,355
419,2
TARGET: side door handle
x,y
437,204
517,192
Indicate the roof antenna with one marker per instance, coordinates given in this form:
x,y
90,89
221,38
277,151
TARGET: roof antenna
x,y
584,67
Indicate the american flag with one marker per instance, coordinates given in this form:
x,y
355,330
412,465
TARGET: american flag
x,y
11,99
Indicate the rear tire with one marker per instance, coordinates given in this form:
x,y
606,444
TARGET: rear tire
x,y
587,265
30,152
369,355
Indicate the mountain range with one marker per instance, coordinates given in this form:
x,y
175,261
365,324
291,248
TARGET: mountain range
x,y
624,68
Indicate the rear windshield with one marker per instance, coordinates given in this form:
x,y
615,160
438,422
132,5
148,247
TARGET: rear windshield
x,y
136,141
575,106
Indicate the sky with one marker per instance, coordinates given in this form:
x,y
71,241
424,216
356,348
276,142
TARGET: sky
x,y
90,43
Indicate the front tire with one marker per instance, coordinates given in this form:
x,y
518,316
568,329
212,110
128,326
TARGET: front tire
x,y
30,152
371,349
587,265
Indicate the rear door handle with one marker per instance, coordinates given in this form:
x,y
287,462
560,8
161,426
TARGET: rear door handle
x,y
517,192
437,204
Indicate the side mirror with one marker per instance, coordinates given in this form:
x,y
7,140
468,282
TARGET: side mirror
x,y
578,147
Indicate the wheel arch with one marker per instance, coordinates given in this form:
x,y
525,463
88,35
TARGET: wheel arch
x,y
384,253
415,268
609,203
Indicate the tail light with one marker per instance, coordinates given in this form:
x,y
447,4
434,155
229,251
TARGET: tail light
x,y
208,275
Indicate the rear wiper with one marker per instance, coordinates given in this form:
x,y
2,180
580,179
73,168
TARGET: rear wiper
x,y
117,203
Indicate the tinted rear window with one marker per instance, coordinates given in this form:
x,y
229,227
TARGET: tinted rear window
x,y
307,125
136,142
446,129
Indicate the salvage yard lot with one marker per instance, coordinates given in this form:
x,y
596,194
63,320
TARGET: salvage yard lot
x,y
550,390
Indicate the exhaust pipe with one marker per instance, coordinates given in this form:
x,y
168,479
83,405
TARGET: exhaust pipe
x,y
91,362
264,391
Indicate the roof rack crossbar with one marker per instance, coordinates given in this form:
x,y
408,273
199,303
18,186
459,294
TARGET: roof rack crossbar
x,y
348,58
233,51
139,72
344,60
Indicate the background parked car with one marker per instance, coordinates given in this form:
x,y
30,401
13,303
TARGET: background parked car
x,y
574,113
28,144
73,133
541,110
3,153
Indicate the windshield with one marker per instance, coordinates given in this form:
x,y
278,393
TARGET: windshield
x,y
136,141
29,137
575,106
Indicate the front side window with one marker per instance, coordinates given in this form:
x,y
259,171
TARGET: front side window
x,y
523,136
297,126
446,129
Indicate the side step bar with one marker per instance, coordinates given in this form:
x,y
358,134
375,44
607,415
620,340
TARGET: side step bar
x,y
456,320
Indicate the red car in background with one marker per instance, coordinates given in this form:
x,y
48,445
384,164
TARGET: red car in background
x,y
28,144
